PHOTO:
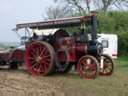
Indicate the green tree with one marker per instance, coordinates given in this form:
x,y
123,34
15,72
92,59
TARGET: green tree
x,y
116,23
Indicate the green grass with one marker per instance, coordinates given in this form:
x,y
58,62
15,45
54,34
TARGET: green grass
x,y
115,85
123,58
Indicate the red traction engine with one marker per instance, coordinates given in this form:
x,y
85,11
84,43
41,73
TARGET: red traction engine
x,y
16,58
12,58
58,52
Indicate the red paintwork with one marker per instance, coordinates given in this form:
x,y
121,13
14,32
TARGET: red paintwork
x,y
13,55
81,50
17,55
72,55
57,23
4,56
75,49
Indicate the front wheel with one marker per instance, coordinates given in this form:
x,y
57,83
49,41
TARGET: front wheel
x,y
88,67
106,65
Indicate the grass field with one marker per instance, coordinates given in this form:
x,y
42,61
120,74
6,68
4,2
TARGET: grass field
x,y
115,85
20,83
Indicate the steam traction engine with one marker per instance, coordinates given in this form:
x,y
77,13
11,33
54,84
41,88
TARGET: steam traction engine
x,y
13,58
58,52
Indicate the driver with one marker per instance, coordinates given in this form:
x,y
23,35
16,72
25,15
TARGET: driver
x,y
35,36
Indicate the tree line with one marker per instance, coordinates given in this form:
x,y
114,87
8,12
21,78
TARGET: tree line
x,y
116,22
112,15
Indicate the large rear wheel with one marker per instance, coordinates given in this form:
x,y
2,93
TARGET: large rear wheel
x,y
40,57
88,67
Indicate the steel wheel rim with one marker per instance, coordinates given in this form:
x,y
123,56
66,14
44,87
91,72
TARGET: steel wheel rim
x,y
39,59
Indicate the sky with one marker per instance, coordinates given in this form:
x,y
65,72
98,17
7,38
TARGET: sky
x,y
13,12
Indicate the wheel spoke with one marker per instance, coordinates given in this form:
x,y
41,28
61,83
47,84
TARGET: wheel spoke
x,y
33,62
35,65
31,58
47,56
42,52
93,67
33,54
33,50
44,63
47,60
40,48
88,61
37,53
41,69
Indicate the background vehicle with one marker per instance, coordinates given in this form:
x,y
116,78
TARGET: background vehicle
x,y
110,44
14,56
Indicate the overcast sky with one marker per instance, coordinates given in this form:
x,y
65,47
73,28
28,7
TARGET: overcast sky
x,y
17,11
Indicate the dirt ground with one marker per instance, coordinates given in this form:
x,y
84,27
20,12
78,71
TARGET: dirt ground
x,y
21,83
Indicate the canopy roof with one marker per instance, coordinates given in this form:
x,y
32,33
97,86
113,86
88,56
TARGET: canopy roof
x,y
57,23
